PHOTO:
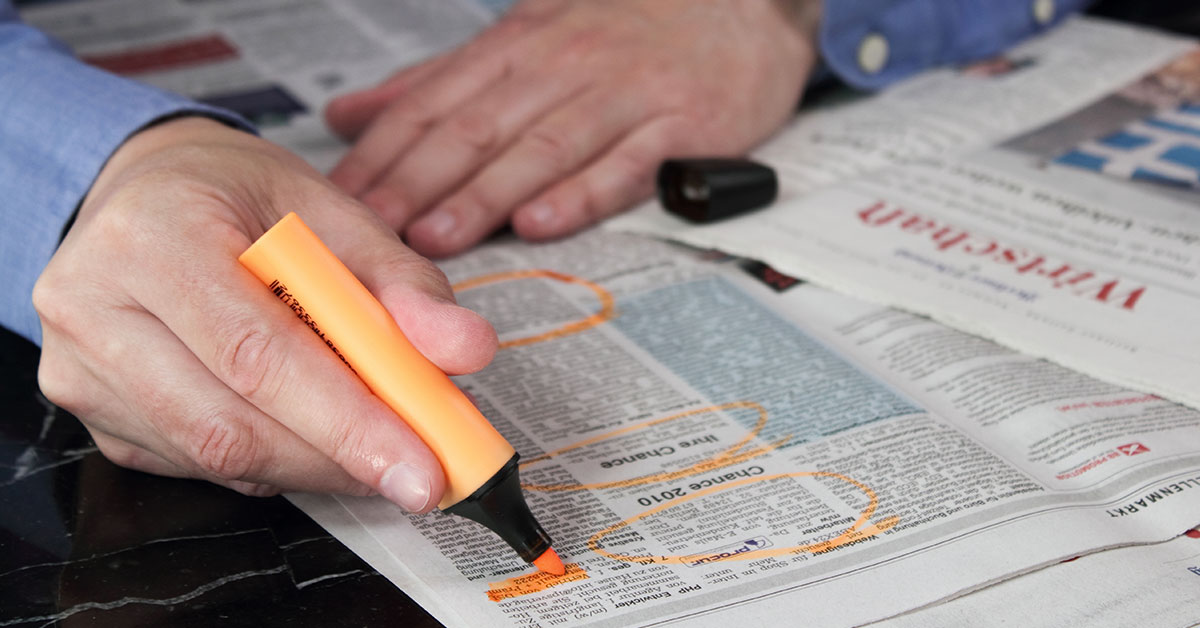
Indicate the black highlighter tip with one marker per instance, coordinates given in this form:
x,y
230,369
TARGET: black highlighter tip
x,y
500,506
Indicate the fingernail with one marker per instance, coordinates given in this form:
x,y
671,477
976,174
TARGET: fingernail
x,y
439,223
542,213
407,487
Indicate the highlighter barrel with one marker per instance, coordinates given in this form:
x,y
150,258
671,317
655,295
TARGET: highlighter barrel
x,y
479,464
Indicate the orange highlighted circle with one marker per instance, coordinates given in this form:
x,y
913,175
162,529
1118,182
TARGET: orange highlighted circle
x,y
858,530
524,585
725,458
607,311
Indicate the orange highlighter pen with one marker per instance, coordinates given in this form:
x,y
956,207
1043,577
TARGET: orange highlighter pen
x,y
479,464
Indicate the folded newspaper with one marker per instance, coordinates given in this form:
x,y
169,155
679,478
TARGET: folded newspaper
x,y
1076,238
709,441
712,442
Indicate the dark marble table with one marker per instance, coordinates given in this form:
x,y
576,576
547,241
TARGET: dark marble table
x,y
86,543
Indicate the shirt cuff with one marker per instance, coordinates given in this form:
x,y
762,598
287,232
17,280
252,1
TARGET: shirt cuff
x,y
870,44
60,120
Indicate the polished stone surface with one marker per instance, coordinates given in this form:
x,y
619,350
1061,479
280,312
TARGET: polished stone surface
x,y
86,543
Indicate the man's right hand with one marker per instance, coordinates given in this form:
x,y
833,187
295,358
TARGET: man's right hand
x,y
179,362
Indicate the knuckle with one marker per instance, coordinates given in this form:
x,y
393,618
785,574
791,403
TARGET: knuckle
x,y
249,363
551,147
626,173
117,453
404,271
422,273
58,387
392,201
474,130
354,165
423,280
634,166
130,223
474,203
412,114
63,382
65,295
589,47
347,441
50,300
688,132
428,276
222,447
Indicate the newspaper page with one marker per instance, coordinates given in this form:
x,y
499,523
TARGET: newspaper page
x,y
1131,586
704,449
957,109
276,62
1078,241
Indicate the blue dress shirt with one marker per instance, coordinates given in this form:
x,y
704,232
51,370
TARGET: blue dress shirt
x,y
919,34
60,119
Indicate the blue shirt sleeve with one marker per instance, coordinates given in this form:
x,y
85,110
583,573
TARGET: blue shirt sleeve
x,y
872,43
60,120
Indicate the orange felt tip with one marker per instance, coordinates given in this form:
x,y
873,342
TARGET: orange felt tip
x,y
550,563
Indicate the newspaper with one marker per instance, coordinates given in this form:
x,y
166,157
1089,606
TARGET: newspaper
x,y
706,445
953,110
1078,241
1132,586
277,62
707,440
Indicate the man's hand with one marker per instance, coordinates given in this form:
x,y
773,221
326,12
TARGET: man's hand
x,y
181,363
558,115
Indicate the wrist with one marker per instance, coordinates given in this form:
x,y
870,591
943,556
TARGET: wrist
x,y
152,141
160,136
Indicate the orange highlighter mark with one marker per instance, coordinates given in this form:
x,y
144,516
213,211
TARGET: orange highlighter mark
x,y
607,311
533,583
726,458
861,528
737,453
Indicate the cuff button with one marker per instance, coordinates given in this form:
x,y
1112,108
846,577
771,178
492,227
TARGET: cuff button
x,y
872,53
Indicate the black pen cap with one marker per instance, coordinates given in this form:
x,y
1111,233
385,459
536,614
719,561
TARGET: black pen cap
x,y
500,506
704,190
